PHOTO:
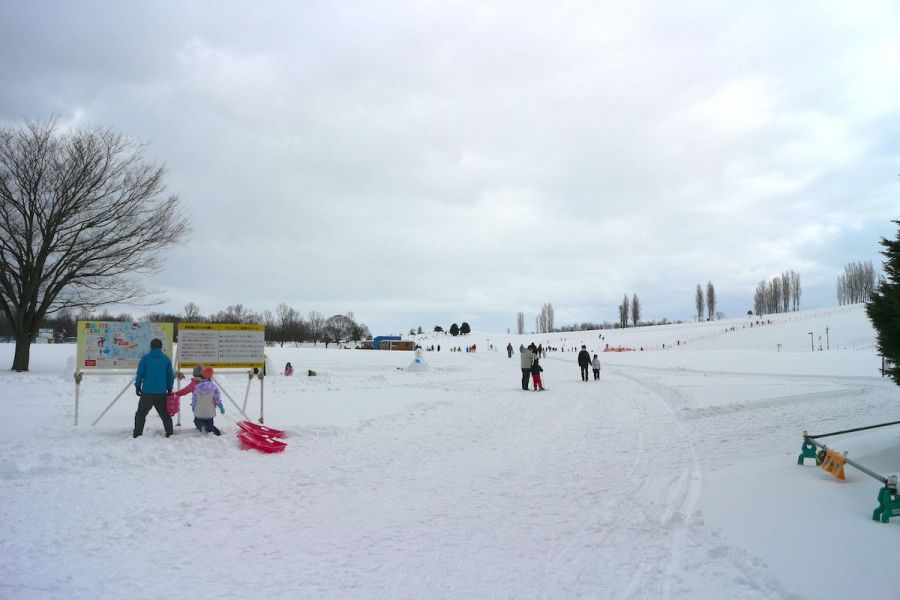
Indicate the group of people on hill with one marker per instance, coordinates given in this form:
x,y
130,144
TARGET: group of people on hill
x,y
584,361
153,384
530,364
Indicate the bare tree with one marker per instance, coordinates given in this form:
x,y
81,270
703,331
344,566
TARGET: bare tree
x,y
286,324
759,298
623,312
82,218
856,284
338,329
698,302
520,323
774,302
545,319
315,321
191,313
635,310
235,313
786,292
795,289
710,300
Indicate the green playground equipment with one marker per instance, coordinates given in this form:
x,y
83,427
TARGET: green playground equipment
x,y
888,502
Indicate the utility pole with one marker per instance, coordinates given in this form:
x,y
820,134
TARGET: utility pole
x,y
827,343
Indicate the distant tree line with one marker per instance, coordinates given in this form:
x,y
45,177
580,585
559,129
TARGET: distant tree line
x,y
856,283
285,325
779,294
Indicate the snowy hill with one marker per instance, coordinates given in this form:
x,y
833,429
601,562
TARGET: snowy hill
x,y
674,476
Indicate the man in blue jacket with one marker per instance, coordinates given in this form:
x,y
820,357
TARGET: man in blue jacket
x,y
154,379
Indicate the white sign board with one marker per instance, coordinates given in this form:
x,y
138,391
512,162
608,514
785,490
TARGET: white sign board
x,y
221,345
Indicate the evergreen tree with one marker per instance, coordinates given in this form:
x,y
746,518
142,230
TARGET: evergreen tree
x,y
465,329
883,307
454,330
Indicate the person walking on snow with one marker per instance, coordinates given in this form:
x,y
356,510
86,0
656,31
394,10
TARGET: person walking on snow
x,y
205,400
595,364
152,383
527,358
509,349
584,359
536,375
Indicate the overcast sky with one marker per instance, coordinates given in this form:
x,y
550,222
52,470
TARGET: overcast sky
x,y
429,162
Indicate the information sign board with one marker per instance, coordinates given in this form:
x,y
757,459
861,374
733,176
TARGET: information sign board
x,y
118,344
221,345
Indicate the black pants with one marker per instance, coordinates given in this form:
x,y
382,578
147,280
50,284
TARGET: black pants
x,y
526,374
584,373
148,401
596,374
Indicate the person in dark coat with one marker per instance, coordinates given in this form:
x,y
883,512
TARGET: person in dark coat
x,y
584,361
527,358
509,349
153,380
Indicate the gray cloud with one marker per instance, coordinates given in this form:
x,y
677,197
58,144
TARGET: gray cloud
x,y
421,163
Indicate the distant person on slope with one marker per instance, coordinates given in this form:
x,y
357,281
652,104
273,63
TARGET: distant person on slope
x,y
152,382
584,359
595,364
527,358
509,349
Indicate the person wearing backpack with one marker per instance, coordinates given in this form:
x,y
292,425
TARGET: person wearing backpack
x,y
152,383
204,402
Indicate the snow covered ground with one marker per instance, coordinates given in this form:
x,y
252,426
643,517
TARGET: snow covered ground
x,y
675,476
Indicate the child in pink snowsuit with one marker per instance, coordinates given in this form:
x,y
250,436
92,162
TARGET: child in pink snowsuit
x,y
205,400
536,369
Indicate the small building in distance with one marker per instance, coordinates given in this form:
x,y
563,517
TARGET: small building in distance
x,y
388,342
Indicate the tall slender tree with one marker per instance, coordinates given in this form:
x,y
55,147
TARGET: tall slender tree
x,y
698,302
710,300
635,310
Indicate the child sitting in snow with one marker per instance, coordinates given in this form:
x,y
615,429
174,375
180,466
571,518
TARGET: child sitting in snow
x,y
204,402
536,375
288,369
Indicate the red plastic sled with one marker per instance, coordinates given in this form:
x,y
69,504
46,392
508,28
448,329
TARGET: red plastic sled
x,y
260,430
261,443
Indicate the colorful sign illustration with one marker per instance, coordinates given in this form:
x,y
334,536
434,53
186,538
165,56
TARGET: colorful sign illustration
x,y
221,345
118,344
